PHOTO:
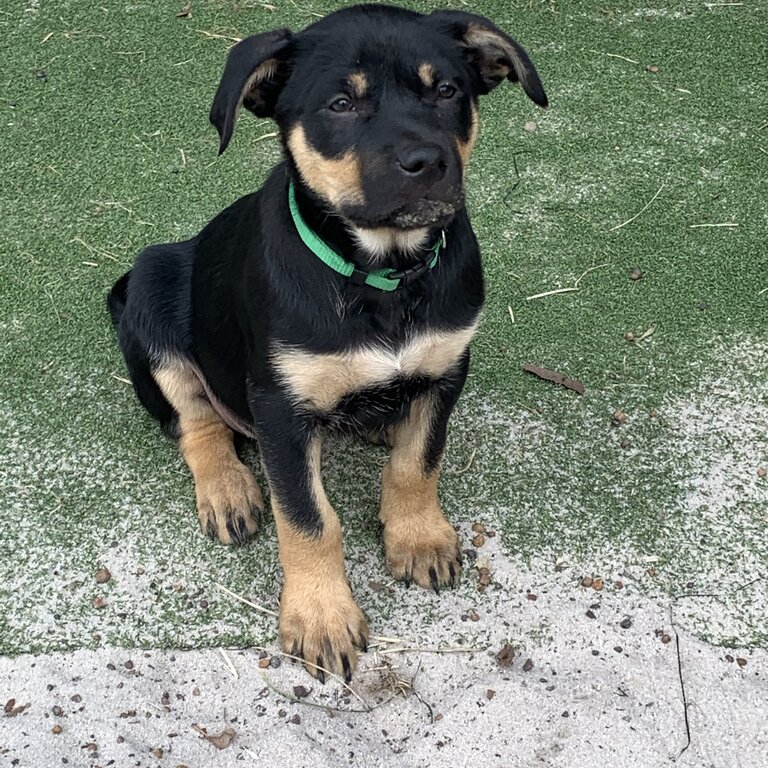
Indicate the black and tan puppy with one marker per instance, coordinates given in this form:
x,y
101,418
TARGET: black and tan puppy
x,y
343,294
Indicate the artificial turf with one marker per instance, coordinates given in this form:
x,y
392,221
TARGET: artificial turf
x,y
106,148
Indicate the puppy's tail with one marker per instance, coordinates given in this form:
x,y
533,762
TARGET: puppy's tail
x,y
116,298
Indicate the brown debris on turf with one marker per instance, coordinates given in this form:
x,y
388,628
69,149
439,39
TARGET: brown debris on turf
x,y
556,378
221,740
505,656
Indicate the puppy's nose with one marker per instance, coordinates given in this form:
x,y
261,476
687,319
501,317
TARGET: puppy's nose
x,y
425,162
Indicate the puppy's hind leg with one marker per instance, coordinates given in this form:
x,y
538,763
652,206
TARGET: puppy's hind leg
x,y
229,500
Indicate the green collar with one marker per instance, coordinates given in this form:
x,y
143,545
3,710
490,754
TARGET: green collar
x,y
385,279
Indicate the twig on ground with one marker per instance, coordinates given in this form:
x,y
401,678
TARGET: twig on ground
x,y
247,602
555,377
511,313
308,663
120,378
216,36
613,56
644,208
468,464
304,702
420,649
723,224
229,663
385,639
267,136
682,683
569,289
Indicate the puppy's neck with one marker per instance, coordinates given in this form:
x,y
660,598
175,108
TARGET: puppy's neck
x,y
366,248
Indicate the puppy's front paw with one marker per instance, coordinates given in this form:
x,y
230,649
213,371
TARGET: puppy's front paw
x,y
229,505
426,551
323,625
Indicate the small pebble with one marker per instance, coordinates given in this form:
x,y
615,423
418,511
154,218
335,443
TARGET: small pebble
x,y
729,658
128,664
597,585
617,648
376,586
636,274
120,739
275,662
57,710
595,652
626,623
665,638
99,602
625,443
56,729
103,576
264,663
591,614
528,666
158,753
478,540
652,68
586,581
474,615
619,417
619,585
741,662
531,596
300,691
296,720
762,472
490,693
629,336
531,126
77,698
505,656
478,528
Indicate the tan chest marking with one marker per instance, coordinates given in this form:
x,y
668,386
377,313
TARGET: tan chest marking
x,y
323,379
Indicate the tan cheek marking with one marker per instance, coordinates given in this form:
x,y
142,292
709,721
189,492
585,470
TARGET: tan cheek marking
x,y
358,82
427,74
322,380
465,147
337,180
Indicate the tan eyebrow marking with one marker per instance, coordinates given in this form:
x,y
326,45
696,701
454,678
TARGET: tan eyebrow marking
x,y
358,82
427,74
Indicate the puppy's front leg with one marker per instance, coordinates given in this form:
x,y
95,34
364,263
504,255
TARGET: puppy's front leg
x,y
319,619
420,544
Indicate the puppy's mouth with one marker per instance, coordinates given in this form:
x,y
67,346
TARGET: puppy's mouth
x,y
417,215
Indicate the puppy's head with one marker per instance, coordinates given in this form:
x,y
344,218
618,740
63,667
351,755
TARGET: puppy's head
x,y
377,107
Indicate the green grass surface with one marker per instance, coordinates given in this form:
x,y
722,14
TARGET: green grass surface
x,y
106,148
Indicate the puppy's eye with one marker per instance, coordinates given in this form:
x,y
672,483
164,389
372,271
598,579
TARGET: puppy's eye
x,y
445,90
342,104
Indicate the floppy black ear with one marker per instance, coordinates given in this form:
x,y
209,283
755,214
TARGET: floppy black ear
x,y
254,73
493,53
